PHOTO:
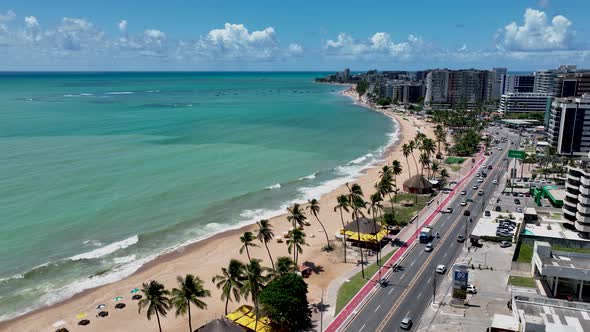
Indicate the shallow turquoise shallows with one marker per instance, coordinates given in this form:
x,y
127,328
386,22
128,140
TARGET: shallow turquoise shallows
x,y
102,172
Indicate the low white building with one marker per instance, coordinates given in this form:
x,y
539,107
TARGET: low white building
x,y
521,102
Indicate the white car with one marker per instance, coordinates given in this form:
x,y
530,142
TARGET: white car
x,y
495,181
441,269
471,289
463,192
448,210
474,187
480,180
463,202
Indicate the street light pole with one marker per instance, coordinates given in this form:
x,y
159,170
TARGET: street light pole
x,y
434,287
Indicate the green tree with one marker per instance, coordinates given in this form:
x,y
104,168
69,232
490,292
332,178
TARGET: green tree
x,y
247,241
230,281
155,299
295,242
356,201
284,265
256,278
396,169
284,301
265,235
342,204
190,290
296,215
314,208
407,151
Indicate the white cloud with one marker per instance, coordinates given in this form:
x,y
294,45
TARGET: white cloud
x,y
123,25
7,17
153,36
295,49
537,33
379,45
75,34
234,41
32,32
31,22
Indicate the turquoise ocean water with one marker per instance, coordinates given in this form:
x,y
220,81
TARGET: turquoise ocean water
x,y
102,172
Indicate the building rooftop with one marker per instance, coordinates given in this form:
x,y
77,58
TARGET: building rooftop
x,y
569,260
487,226
555,315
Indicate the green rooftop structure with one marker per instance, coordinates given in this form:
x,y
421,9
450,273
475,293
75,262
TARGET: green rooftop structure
x,y
552,193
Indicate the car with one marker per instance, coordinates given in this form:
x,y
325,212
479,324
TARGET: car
x,y
383,282
520,195
480,193
517,201
505,244
460,238
474,187
441,269
467,213
487,213
463,203
499,148
498,208
519,210
429,247
490,167
480,180
406,323
463,192
503,234
448,210
495,181
471,289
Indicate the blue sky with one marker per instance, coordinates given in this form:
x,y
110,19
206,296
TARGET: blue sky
x,y
292,35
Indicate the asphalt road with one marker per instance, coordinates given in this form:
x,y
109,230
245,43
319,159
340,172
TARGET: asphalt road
x,y
410,286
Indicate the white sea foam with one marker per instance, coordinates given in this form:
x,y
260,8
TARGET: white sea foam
x,y
309,177
124,259
357,160
107,249
119,93
274,186
12,277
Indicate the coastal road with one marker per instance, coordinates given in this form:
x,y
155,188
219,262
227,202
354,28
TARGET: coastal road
x,y
410,286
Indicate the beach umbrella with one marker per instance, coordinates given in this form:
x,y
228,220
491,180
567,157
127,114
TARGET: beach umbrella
x,y
100,306
118,298
120,305
81,315
103,314
84,322
134,290
136,297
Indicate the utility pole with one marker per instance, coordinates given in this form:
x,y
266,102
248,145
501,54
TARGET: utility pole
x,y
466,224
434,286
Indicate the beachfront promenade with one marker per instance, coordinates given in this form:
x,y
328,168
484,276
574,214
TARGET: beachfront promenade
x,y
408,237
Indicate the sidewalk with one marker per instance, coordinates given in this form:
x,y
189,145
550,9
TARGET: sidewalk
x,y
407,236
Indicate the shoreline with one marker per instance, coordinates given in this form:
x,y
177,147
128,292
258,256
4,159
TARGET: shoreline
x,y
175,262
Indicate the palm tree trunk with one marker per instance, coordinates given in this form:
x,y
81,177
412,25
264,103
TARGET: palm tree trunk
x,y
226,302
391,201
326,233
269,255
343,235
248,253
190,326
409,171
158,317
358,237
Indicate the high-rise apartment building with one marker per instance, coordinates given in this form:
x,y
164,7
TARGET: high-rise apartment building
x,y
520,102
576,205
498,75
545,79
458,88
567,128
517,83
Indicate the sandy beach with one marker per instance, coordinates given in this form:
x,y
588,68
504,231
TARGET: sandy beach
x,y
206,258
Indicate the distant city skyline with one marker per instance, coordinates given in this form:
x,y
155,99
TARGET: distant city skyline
x,y
287,36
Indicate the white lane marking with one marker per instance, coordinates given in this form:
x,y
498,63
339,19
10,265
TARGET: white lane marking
x,y
389,293
362,327
379,306
412,263
445,255
400,279
429,279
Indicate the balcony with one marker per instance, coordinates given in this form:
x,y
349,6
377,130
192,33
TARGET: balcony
x,y
585,181
571,187
568,212
573,177
584,191
581,208
581,218
582,227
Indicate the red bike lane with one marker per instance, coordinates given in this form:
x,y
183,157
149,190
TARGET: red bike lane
x,y
353,304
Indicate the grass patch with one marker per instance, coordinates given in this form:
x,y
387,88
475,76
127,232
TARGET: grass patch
x,y
349,289
454,160
525,253
521,281
403,214
577,250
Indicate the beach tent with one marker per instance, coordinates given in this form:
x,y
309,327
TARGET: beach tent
x,y
58,323
81,315
100,306
120,305
136,297
134,290
418,184
84,322
103,314
245,317
221,325
118,298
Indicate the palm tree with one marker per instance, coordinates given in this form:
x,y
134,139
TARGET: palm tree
x,y
265,235
230,281
444,175
255,281
406,150
284,265
396,169
294,242
356,200
439,134
376,200
297,216
155,299
314,207
247,241
342,204
425,161
413,145
428,146
191,289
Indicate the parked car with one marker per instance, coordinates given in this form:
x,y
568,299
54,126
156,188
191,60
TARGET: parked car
x,y
517,201
460,238
505,244
519,210
471,289
487,213
498,208
406,323
441,269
